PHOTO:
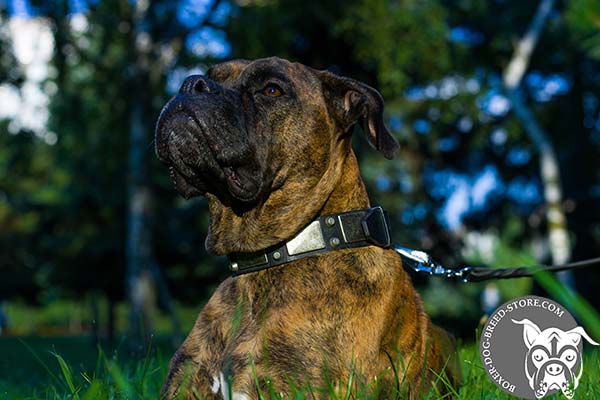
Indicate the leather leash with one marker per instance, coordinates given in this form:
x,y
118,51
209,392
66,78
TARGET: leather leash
x,y
422,262
370,227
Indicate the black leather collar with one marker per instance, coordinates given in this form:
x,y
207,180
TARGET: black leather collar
x,y
327,233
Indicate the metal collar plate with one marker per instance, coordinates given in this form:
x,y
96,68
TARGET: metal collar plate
x,y
326,233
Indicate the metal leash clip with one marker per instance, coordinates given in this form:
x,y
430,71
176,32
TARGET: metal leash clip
x,y
421,262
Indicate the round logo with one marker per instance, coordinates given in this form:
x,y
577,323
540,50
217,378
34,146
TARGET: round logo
x,y
531,347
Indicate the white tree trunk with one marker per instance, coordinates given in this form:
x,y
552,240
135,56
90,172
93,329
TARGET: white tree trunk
x,y
558,238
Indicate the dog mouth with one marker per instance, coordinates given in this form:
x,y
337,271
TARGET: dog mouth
x,y
241,183
200,160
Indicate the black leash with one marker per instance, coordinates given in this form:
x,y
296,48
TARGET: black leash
x,y
422,262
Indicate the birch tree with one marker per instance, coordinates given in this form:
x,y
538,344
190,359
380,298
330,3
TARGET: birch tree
x,y
558,238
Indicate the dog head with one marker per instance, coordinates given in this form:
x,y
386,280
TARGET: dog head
x,y
553,361
247,128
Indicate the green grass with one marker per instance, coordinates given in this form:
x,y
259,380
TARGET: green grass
x,y
477,385
71,368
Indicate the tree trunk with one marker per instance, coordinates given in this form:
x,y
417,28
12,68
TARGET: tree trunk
x,y
558,238
95,320
166,304
139,285
110,324
144,281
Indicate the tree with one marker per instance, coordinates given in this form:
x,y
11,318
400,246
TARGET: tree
x,y
558,239
140,53
108,81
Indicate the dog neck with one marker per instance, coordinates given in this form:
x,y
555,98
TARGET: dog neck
x,y
286,212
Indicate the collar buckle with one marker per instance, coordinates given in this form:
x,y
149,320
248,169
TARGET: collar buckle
x,y
376,226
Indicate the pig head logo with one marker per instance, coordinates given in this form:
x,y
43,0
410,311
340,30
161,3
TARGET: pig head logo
x,y
553,361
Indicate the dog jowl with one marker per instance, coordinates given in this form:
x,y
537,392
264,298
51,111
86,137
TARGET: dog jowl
x,y
553,361
268,143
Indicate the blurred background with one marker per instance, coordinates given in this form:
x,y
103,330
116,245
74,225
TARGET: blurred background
x,y
496,105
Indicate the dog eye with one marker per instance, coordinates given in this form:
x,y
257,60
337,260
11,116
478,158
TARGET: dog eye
x,y
272,90
569,355
538,355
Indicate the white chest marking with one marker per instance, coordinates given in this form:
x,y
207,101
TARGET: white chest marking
x,y
215,385
221,383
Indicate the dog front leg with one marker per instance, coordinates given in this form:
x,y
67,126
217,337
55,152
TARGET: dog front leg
x,y
192,376
194,371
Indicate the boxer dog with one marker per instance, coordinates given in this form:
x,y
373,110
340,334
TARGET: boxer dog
x,y
268,143
553,361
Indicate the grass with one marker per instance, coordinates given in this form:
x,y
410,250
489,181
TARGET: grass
x,y
71,368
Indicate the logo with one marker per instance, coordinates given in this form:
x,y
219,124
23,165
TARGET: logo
x,y
531,348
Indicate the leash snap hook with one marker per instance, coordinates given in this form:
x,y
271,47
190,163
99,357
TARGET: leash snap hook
x,y
422,262
463,274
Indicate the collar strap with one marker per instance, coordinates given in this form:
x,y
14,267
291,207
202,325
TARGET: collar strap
x,y
327,233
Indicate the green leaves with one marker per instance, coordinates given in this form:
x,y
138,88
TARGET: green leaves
x,y
403,41
583,17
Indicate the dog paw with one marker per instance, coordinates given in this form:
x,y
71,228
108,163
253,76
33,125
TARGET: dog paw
x,y
541,390
567,391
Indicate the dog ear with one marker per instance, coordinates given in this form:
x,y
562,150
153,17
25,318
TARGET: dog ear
x,y
351,101
577,333
530,331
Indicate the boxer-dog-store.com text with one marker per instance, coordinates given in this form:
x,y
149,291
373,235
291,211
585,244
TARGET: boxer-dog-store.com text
x,y
316,297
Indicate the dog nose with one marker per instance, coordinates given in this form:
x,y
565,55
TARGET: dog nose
x,y
554,369
196,84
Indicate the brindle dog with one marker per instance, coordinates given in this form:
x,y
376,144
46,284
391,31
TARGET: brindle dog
x,y
268,142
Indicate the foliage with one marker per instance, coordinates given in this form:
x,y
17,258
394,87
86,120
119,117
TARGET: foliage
x,y
74,318
64,218
375,28
584,17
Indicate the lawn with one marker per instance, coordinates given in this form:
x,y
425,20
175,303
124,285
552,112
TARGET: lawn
x,y
72,368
